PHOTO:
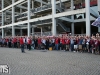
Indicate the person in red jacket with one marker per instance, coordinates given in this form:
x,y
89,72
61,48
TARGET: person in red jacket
x,y
67,41
15,42
60,45
56,43
39,43
63,43
22,45
7,42
29,43
96,45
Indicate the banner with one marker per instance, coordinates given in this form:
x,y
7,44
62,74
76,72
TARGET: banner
x,y
96,22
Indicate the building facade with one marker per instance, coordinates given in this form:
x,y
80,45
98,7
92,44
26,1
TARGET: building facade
x,y
25,17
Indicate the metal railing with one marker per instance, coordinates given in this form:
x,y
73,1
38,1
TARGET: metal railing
x,y
42,34
34,11
41,8
41,22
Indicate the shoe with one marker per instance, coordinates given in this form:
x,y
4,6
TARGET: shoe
x,y
23,52
74,51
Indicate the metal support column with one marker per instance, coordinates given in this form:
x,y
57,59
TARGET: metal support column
x,y
21,32
20,10
32,4
29,29
5,16
13,19
2,19
53,17
60,3
41,3
41,31
72,24
32,8
88,27
32,31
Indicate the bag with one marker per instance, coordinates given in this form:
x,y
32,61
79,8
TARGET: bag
x,y
50,48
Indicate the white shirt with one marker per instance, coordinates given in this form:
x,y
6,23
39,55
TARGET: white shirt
x,y
43,41
24,40
53,40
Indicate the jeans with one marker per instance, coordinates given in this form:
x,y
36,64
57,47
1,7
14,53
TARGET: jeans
x,y
22,47
60,46
72,47
56,46
29,46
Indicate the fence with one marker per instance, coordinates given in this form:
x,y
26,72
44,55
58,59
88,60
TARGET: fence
x,y
42,33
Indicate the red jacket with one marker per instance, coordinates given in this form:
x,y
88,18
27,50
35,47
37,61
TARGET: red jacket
x,y
21,41
39,41
63,41
56,41
6,40
92,42
67,41
29,41
96,43
15,40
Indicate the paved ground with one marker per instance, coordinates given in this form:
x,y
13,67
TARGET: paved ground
x,y
39,62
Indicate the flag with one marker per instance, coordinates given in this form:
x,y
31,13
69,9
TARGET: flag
x,y
96,22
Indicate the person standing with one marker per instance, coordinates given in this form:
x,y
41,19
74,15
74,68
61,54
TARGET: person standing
x,y
6,42
67,41
60,45
56,43
22,45
29,43
9,42
39,43
47,44
72,43
15,42
53,42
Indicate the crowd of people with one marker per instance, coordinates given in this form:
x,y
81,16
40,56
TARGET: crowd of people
x,y
64,42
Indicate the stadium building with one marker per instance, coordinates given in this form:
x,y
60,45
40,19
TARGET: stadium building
x,y
50,17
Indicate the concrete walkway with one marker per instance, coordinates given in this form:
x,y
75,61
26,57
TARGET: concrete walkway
x,y
37,62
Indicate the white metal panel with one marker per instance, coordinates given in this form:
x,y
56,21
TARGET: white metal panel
x,y
10,6
48,17
84,20
72,12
